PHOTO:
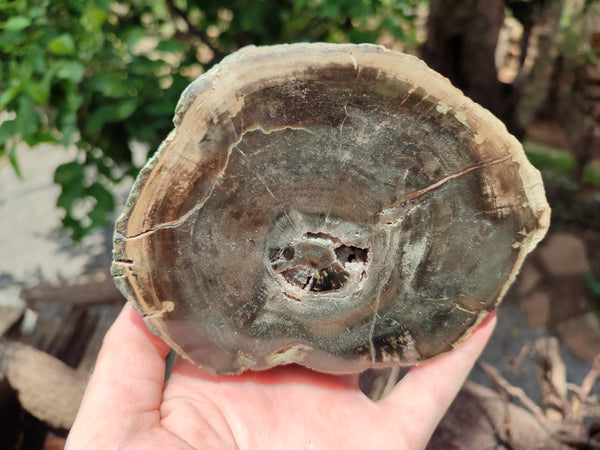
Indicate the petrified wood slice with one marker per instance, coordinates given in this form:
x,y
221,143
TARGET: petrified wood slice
x,y
338,206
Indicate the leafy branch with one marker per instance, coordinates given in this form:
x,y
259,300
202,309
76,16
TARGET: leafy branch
x,y
193,29
102,74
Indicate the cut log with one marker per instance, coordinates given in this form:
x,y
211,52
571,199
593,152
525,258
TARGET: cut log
x,y
80,294
47,388
68,317
338,206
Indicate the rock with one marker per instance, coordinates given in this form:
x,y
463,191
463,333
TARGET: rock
x,y
341,208
582,335
570,297
564,254
528,279
537,308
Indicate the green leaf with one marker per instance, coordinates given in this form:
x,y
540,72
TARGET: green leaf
x,y
10,38
69,174
36,12
17,23
62,45
110,113
126,108
359,36
161,109
36,58
330,9
10,93
394,26
170,46
39,92
14,162
77,230
28,116
545,157
103,4
69,70
104,198
104,169
8,129
68,131
93,18
299,5
133,35
109,85
593,283
103,114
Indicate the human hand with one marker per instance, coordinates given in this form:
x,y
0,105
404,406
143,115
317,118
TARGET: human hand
x,y
127,405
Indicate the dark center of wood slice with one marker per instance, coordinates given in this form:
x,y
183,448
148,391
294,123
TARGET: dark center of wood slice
x,y
317,262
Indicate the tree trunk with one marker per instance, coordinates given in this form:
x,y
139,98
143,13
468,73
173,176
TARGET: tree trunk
x,y
461,44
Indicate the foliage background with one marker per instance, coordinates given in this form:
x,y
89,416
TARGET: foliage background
x,y
106,75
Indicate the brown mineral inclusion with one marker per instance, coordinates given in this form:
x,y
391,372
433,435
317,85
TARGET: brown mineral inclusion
x,y
338,206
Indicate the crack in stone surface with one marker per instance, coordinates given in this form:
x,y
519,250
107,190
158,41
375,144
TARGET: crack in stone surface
x,y
261,179
177,222
372,329
340,135
433,186
404,199
264,183
382,283
460,308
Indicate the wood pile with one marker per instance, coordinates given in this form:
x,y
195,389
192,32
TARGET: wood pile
x,y
48,348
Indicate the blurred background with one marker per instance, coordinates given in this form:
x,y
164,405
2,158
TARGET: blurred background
x,y
87,93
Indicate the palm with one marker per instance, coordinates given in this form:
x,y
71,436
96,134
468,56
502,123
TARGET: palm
x,y
127,405
287,407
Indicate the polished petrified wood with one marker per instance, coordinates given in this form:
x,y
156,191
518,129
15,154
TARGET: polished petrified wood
x,y
338,206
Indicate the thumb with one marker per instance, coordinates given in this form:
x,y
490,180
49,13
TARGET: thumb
x,y
127,382
422,397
